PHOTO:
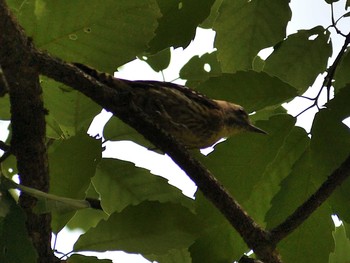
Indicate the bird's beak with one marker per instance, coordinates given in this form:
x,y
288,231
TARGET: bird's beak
x,y
253,128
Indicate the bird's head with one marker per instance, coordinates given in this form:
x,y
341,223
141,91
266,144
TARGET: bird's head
x,y
236,119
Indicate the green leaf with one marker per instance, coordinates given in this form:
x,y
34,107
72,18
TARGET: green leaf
x,y
195,69
159,61
148,228
173,256
178,24
330,146
330,142
253,90
86,259
300,58
72,164
47,202
244,158
120,184
116,130
220,242
84,219
341,76
312,241
339,105
341,252
245,27
214,12
260,200
69,110
5,108
104,35
13,232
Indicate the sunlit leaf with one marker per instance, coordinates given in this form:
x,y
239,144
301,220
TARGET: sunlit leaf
x,y
104,34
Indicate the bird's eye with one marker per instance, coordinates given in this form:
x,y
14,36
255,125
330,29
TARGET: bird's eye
x,y
242,113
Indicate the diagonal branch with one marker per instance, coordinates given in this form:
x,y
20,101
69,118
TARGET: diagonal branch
x,y
309,206
113,100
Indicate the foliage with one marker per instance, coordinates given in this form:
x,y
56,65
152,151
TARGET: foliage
x,y
270,176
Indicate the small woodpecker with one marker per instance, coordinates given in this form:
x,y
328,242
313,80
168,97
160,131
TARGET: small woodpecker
x,y
189,116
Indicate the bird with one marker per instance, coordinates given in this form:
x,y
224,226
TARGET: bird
x,y
191,117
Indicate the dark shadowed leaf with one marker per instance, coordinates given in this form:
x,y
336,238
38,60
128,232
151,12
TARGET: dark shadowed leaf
x,y
245,27
253,90
120,184
148,228
300,58
13,232
72,164
178,24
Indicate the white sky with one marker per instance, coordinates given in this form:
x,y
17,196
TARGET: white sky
x,y
306,14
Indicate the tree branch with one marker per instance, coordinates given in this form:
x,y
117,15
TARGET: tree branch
x,y
115,100
309,206
28,126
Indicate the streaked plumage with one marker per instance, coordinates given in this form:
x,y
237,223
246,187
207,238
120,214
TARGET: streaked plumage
x,y
192,118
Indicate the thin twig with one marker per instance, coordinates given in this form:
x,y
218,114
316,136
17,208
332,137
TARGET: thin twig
x,y
309,206
328,78
4,146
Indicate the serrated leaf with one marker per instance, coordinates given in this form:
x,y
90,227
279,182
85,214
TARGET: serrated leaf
x,y
245,27
120,184
300,58
148,228
253,90
86,259
72,164
329,146
341,252
104,34
290,151
13,232
178,24
158,61
195,69
70,110
330,142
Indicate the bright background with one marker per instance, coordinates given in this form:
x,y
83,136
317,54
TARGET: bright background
x,y
306,15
